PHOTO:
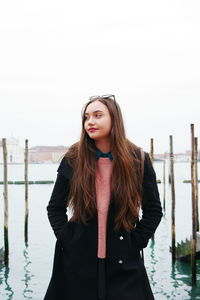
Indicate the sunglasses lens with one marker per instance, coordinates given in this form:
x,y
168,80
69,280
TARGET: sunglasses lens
x,y
94,97
108,96
103,96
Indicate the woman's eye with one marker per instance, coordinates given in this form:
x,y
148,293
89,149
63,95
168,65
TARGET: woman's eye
x,y
96,116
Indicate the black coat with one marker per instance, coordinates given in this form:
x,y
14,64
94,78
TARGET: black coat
x,y
75,266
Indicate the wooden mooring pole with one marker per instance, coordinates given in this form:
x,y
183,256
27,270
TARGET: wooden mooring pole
x,y
164,184
196,174
152,161
151,150
173,248
26,191
194,213
5,194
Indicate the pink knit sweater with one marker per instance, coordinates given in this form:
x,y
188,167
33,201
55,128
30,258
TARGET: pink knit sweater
x,y
103,192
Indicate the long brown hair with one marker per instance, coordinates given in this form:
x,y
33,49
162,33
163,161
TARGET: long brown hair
x,y
126,175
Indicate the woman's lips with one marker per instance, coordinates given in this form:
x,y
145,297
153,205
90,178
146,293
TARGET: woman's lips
x,y
92,129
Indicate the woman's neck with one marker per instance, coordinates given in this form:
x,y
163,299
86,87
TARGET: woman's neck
x,y
103,145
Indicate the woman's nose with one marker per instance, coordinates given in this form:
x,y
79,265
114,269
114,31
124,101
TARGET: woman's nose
x,y
90,121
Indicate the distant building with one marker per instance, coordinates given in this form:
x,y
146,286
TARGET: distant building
x,y
37,154
15,153
46,154
178,157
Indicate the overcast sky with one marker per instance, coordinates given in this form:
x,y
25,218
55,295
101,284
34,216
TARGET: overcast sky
x,y
55,54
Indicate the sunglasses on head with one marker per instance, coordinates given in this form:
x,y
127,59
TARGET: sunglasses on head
x,y
103,97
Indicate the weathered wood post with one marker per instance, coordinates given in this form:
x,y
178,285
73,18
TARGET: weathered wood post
x,y
173,200
151,150
5,194
164,185
152,161
26,191
196,174
169,175
194,214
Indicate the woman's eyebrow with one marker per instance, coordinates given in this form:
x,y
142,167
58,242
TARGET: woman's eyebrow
x,y
94,112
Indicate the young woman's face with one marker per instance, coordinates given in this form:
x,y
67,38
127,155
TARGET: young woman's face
x,y
97,121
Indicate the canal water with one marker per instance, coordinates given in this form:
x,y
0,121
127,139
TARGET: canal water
x,y
30,266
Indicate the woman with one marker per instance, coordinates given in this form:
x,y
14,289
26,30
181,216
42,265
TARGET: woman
x,y
100,179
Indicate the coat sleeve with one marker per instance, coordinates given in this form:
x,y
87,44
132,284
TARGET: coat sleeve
x,y
56,209
151,207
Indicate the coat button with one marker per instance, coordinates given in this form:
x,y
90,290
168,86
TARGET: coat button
x,y
121,237
120,261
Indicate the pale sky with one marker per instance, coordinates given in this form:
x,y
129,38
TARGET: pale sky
x,y
55,54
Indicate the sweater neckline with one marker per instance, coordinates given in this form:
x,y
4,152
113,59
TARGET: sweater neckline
x,y
104,161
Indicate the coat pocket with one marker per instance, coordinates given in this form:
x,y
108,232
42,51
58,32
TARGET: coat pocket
x,y
133,245
65,235
139,240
